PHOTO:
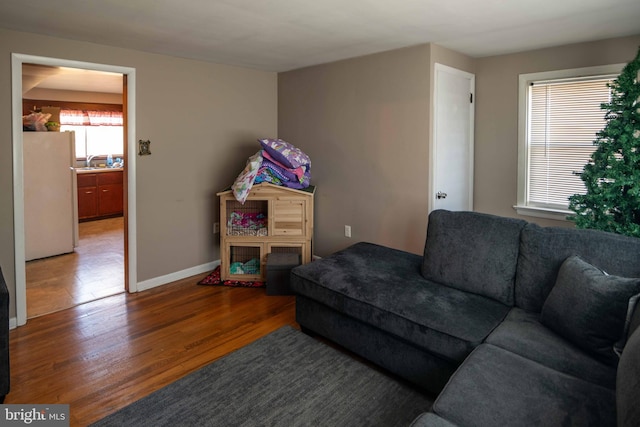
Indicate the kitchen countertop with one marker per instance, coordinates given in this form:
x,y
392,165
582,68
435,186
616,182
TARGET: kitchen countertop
x,y
97,170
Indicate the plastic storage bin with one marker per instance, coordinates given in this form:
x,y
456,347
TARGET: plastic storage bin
x,y
279,267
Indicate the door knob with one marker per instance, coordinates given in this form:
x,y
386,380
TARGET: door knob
x,y
441,195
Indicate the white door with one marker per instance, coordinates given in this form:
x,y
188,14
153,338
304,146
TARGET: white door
x,y
452,150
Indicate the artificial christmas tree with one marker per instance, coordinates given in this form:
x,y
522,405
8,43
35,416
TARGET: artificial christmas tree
x,y
612,176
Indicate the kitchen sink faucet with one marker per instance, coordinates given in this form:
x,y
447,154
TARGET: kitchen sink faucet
x,y
89,158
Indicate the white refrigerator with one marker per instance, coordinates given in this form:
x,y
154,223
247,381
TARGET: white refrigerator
x,y
50,194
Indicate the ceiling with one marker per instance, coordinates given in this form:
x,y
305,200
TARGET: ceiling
x,y
63,78
281,35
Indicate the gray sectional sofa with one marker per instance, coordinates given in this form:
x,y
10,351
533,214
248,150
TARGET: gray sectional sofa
x,y
509,323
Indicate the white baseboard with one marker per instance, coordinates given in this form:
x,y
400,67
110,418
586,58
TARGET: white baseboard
x,y
178,275
13,322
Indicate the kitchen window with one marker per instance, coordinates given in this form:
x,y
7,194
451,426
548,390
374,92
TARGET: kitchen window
x,y
559,116
98,133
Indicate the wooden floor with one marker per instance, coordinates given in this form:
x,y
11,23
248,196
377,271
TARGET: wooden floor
x,y
94,270
102,355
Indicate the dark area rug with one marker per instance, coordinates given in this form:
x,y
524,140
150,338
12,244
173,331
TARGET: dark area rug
x,y
213,279
283,379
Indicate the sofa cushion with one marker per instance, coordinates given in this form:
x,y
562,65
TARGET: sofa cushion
x,y
495,387
383,287
429,419
523,334
544,249
473,252
628,387
589,307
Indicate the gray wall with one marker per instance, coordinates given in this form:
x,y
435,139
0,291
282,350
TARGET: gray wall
x,y
203,120
366,124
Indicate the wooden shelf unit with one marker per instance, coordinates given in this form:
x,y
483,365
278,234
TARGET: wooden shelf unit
x,y
272,219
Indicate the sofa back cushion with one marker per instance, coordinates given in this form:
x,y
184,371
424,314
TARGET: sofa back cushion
x,y
589,308
473,252
544,249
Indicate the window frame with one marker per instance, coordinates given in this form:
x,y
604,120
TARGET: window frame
x,y
524,81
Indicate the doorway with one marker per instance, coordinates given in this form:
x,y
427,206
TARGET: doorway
x,y
129,223
452,147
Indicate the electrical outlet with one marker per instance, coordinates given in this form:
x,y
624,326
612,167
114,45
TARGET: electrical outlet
x,y
216,227
347,231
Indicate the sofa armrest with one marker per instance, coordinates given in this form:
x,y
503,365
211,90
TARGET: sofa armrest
x,y
628,383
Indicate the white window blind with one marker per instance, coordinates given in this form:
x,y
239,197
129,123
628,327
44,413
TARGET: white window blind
x,y
563,119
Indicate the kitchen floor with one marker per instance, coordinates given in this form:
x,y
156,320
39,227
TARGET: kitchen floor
x,y
95,270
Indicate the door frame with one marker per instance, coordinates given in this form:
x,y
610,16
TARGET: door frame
x,y
129,74
433,146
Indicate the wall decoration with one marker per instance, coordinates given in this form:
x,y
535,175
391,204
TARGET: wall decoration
x,y
144,147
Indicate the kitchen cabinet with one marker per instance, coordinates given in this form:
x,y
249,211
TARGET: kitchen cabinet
x,y
100,194
87,196
273,219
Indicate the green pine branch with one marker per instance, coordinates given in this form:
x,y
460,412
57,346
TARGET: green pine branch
x,y
612,176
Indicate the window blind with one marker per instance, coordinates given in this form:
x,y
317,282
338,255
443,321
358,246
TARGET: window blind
x,y
564,117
